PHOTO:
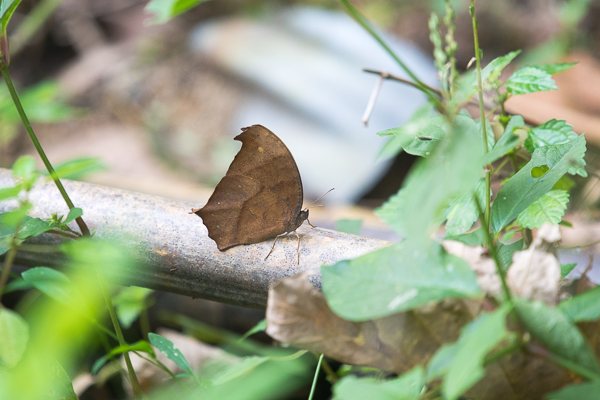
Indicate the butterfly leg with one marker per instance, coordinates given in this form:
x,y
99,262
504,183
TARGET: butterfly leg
x,y
307,220
298,246
274,243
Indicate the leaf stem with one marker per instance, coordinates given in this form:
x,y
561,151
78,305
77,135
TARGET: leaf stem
x,y
7,266
364,23
493,251
488,171
36,143
314,382
135,385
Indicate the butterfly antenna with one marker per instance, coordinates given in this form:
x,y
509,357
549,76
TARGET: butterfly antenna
x,y
321,197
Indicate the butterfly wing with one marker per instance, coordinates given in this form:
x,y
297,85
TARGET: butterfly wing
x,y
259,197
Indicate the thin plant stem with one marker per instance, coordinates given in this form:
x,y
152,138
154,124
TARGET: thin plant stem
x,y
314,382
135,385
488,172
38,146
493,252
364,23
332,377
389,76
7,266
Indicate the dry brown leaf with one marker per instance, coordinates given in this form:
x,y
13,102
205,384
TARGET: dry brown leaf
x,y
298,314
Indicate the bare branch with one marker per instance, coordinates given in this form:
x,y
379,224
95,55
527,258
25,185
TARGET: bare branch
x,y
178,255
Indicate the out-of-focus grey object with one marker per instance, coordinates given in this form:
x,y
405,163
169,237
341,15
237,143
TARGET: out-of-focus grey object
x,y
304,66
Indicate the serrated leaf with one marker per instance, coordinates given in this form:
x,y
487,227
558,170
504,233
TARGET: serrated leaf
x,y
551,132
167,347
418,136
548,209
490,74
14,335
408,386
583,307
580,391
462,212
525,187
165,10
463,364
529,80
51,282
553,329
396,278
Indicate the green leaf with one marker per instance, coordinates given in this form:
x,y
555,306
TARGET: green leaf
x,y
130,302
168,348
243,367
553,329
462,212
24,169
73,214
418,136
565,269
452,169
62,388
44,103
261,326
583,307
555,131
490,74
9,192
141,346
14,335
580,391
164,10
529,80
33,227
525,187
554,69
396,278
11,220
474,238
406,387
506,251
7,8
79,167
51,282
347,225
507,142
548,209
462,363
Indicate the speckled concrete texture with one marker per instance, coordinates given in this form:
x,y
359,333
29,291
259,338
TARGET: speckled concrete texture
x,y
176,253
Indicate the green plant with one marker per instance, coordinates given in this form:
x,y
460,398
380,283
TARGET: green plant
x,y
451,187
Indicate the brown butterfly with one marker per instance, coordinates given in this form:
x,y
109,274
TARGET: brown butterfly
x,y
259,198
